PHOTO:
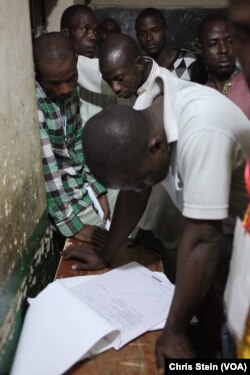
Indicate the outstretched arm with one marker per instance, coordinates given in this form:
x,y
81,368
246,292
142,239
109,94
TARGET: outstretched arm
x,y
129,208
198,256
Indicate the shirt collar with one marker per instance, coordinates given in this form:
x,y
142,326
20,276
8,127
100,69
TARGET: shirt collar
x,y
161,81
151,76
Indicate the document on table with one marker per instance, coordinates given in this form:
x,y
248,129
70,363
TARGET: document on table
x,y
69,321
131,298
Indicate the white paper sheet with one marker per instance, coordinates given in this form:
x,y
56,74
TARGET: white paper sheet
x,y
60,329
131,298
57,332
70,282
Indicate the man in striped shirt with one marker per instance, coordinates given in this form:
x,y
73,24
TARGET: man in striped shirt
x,y
66,174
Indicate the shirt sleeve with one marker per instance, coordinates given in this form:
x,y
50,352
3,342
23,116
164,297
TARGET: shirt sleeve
x,y
97,188
206,175
59,206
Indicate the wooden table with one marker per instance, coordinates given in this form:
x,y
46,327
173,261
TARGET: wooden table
x,y
137,357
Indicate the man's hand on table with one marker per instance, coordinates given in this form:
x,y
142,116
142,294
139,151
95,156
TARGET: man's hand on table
x,y
93,235
91,259
171,345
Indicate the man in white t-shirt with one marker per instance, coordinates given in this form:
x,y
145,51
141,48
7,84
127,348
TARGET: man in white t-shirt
x,y
194,141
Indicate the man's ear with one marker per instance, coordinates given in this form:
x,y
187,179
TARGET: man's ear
x,y
140,64
157,145
65,31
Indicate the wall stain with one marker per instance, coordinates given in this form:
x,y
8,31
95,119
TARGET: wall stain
x,y
34,270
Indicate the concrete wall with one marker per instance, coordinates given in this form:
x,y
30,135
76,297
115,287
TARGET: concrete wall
x,y
167,4
55,8
183,16
25,238
22,199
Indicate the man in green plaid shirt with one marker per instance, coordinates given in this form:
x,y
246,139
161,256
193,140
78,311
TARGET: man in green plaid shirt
x,y
65,172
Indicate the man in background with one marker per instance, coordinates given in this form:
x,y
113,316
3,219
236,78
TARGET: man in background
x,y
107,27
80,24
151,31
216,45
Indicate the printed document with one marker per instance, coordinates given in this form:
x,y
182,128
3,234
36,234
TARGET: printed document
x,y
76,319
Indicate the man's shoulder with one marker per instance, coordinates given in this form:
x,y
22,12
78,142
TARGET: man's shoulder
x,y
184,54
239,79
40,94
44,104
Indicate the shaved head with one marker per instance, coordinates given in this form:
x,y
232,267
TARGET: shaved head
x,y
52,48
115,141
118,46
122,65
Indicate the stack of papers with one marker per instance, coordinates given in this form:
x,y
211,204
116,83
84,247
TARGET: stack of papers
x,y
76,318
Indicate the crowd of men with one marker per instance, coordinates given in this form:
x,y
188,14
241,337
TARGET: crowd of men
x,y
133,127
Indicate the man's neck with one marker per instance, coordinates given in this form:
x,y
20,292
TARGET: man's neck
x,y
166,56
220,80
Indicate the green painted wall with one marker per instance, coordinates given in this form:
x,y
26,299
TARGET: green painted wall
x,y
34,269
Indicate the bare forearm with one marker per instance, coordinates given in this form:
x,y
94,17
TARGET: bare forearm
x,y
198,256
129,208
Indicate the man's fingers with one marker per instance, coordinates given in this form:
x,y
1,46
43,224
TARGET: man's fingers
x,y
66,254
82,267
160,361
76,252
87,266
101,231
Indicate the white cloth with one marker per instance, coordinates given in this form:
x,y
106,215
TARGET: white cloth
x,y
92,103
205,180
89,76
95,93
